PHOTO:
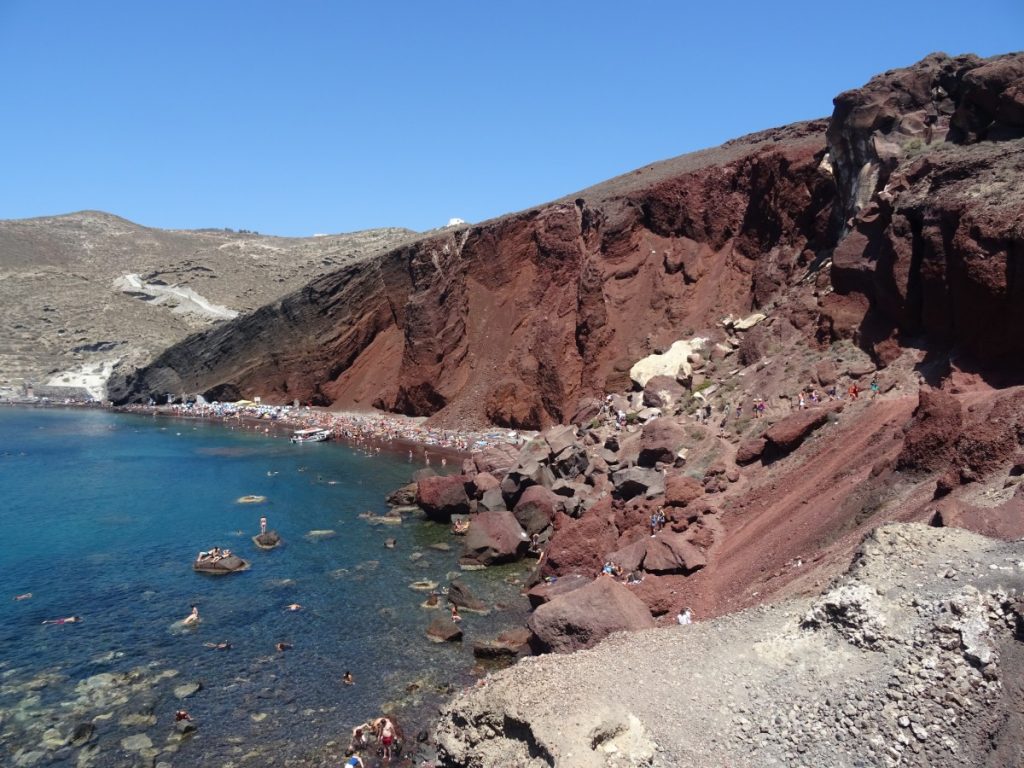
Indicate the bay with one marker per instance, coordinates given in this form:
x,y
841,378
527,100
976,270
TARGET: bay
x,y
102,515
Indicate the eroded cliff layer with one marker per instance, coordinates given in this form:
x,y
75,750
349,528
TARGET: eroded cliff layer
x,y
910,189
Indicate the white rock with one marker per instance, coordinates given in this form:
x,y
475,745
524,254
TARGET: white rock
x,y
672,363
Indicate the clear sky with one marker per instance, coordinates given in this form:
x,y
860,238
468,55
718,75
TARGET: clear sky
x,y
301,116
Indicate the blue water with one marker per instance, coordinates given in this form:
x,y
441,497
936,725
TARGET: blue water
x,y
101,516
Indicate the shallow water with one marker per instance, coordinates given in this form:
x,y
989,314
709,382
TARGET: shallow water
x,y
102,515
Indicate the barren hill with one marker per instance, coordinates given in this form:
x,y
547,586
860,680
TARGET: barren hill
x,y
81,292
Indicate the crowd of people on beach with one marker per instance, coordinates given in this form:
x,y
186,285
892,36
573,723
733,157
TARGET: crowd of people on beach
x,y
353,427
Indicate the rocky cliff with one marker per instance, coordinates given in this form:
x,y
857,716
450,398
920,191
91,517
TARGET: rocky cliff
x,y
514,320
82,292
910,190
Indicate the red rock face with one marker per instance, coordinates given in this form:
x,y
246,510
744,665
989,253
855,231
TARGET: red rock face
x,y
521,320
925,160
518,320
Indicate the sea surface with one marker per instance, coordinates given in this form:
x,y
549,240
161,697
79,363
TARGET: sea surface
x,y
101,516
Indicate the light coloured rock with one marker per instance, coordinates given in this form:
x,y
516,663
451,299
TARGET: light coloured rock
x,y
136,742
748,322
673,362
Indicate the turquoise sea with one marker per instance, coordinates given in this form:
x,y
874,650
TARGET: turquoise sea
x,y
101,516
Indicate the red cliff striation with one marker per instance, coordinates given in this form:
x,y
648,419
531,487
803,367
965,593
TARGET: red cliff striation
x,y
515,320
912,189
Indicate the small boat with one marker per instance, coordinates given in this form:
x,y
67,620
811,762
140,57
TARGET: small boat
x,y
314,435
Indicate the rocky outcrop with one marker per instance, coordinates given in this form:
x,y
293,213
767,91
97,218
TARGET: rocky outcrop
x,y
515,321
582,617
925,160
912,658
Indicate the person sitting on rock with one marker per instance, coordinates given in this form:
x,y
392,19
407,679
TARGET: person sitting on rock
x,y
455,613
354,761
685,617
263,526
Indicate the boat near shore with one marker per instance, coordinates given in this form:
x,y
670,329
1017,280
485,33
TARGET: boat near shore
x,y
313,435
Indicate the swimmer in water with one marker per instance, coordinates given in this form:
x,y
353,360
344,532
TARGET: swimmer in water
x,y
192,618
24,596
347,679
219,646
282,647
67,620
293,607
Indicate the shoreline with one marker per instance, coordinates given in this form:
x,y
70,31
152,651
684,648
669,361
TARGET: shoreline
x,y
417,708
371,429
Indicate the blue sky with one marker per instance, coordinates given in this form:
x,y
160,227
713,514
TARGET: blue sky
x,y
312,116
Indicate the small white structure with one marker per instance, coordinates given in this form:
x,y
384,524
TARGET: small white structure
x,y
455,222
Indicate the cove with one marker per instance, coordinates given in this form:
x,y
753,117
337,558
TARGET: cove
x,y
102,515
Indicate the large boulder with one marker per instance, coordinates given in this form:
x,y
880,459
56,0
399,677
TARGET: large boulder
x,y
638,481
672,553
494,537
680,490
459,594
547,591
496,459
750,450
491,501
443,496
662,440
511,642
672,363
536,508
570,462
577,545
930,441
664,392
560,438
585,616
485,481
443,630
787,434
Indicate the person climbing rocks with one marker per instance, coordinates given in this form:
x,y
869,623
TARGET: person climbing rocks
x,y
854,391
875,388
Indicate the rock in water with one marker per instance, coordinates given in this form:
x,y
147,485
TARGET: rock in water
x,y
444,630
494,537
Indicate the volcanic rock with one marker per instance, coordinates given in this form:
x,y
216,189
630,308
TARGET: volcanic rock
x,y
584,616
638,481
750,450
786,435
443,630
680,490
664,392
493,538
491,501
459,594
548,590
536,509
443,496
662,440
